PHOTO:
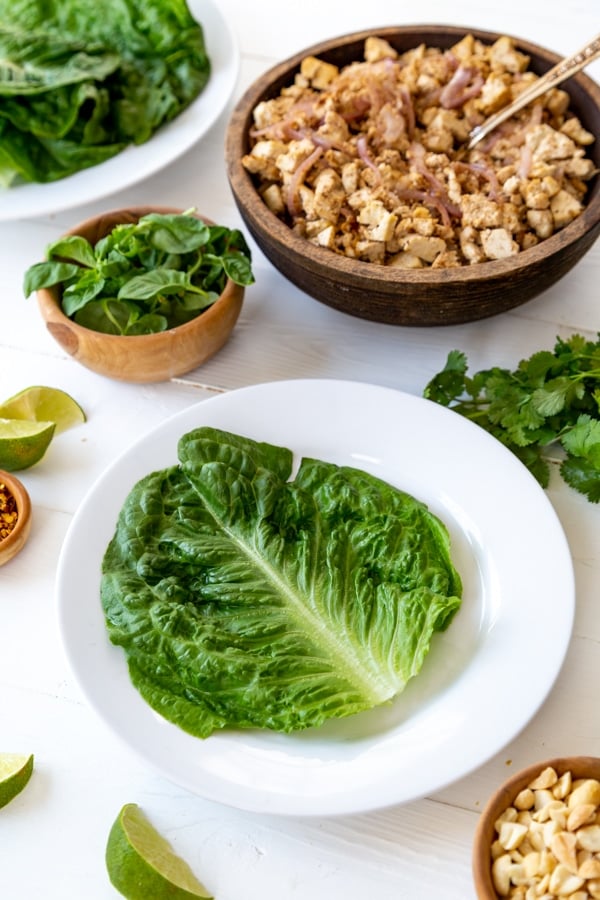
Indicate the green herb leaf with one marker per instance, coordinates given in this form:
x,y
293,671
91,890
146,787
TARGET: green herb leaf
x,y
582,475
149,285
73,247
81,81
552,398
170,267
176,233
87,287
243,598
48,274
237,267
448,384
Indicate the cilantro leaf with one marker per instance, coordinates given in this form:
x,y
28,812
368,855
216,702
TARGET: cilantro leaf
x,y
450,382
582,475
584,439
550,399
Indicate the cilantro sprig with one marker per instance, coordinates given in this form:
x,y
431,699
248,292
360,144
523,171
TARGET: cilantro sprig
x,y
551,400
146,276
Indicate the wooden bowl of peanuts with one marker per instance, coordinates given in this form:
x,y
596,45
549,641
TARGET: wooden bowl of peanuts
x,y
349,165
539,834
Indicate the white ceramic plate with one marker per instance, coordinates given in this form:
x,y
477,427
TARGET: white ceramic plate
x,y
136,163
460,710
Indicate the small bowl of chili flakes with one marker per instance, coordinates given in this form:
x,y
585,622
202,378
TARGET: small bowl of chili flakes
x,y
15,516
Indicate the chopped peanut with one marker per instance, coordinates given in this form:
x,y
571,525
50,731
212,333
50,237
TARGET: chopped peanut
x,y
547,844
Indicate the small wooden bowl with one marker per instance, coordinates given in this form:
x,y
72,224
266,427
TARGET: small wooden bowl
x,y
147,357
17,538
579,766
393,295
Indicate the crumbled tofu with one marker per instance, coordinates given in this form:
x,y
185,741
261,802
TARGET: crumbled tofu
x,y
547,143
329,195
574,129
406,260
369,160
377,48
580,167
480,212
318,73
470,245
272,197
262,159
497,243
542,222
380,223
564,208
504,56
371,251
426,248
321,233
495,93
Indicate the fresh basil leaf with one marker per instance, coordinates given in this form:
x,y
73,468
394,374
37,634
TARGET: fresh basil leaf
x,y
109,316
176,233
149,285
73,247
86,288
168,282
193,302
48,274
148,324
238,268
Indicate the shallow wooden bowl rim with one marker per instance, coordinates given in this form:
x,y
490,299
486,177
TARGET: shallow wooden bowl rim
x,y
502,798
17,538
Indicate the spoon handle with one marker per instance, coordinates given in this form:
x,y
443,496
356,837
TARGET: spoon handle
x,y
559,73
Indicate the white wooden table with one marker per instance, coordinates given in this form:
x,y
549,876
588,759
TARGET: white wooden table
x,y
52,838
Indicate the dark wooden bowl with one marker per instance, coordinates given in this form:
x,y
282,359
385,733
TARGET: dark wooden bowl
x,y
579,766
410,297
145,357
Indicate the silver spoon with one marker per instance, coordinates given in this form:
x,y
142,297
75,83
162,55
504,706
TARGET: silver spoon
x,y
559,73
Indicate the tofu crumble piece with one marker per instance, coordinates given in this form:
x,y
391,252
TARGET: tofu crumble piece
x,y
369,160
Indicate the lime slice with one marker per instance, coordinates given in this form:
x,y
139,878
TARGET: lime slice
x,y
15,772
22,444
43,404
141,864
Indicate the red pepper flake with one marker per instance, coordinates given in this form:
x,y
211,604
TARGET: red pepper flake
x,y
8,511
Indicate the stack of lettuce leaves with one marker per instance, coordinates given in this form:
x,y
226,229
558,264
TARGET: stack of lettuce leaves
x,y
80,80
244,597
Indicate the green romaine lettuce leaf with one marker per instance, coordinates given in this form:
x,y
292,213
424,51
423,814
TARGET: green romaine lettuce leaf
x,y
80,80
243,597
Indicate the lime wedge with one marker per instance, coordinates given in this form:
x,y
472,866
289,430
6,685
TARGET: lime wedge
x,y
141,864
22,444
43,404
15,772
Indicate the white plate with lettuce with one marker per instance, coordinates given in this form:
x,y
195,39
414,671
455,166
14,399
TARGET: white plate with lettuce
x,y
452,716
26,199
